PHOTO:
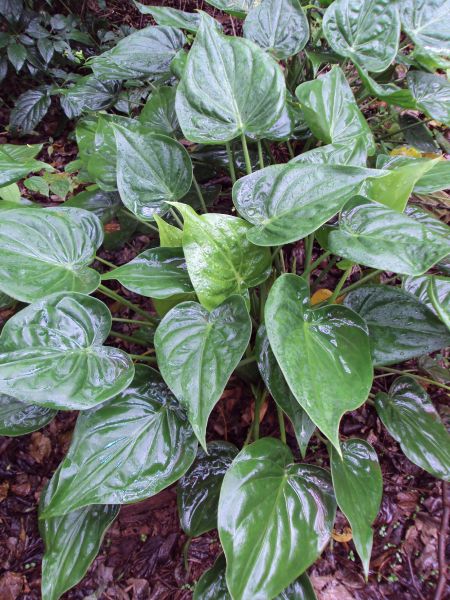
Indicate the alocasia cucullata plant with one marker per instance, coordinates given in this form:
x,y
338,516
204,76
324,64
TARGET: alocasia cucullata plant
x,y
229,293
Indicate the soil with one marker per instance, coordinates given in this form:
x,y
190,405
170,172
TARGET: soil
x,y
144,555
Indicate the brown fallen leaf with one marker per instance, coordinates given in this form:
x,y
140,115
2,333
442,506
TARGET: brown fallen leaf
x,y
11,585
40,447
344,536
4,488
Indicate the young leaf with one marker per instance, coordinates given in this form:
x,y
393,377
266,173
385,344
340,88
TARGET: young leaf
x,y
151,170
278,26
220,260
374,235
410,417
155,273
71,543
432,94
198,351
433,291
358,485
17,418
30,108
142,55
365,31
275,518
288,202
279,390
169,235
427,23
158,114
229,87
198,491
125,450
324,353
48,250
400,326
171,17
51,354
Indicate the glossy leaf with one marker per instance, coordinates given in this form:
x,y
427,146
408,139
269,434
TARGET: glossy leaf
x,y
427,23
278,26
46,251
71,543
229,87
435,180
104,205
410,417
400,326
151,169
143,54
51,354
125,450
17,418
197,352
29,109
389,92
15,163
324,353
432,94
90,94
353,154
366,31
376,236
159,113
169,235
279,390
288,202
237,8
171,17
275,518
432,290
198,491
156,273
358,485
220,260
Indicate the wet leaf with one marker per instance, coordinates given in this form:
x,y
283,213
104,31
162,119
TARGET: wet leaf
x,y
432,290
17,418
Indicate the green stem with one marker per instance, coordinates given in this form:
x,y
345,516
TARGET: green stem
x,y
176,217
198,189
419,377
309,243
105,262
248,163
260,155
363,280
137,309
316,263
136,218
340,285
128,338
290,149
130,321
281,424
247,361
325,271
258,403
143,358
230,155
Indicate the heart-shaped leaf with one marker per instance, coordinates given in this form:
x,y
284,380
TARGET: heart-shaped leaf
x,y
71,543
427,23
278,26
237,8
158,114
324,353
374,235
17,418
220,260
229,87
156,273
410,417
433,291
275,518
279,390
198,491
46,251
125,450
104,205
358,485
400,326
151,169
198,351
288,202
51,354
432,94
365,31
171,17
144,54
90,94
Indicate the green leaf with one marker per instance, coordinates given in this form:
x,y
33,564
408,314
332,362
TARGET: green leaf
x,y
165,15
410,417
37,184
324,353
198,491
366,31
6,301
220,260
400,326
236,8
17,418
288,202
229,87
279,26
144,54
48,250
17,54
16,164
169,236
275,518
51,354
427,23
352,154
90,94
151,170
331,112
279,390
11,194
376,236
71,543
432,94
158,113
358,485
435,180
197,352
155,273
432,290
125,450
389,92
104,205
30,108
